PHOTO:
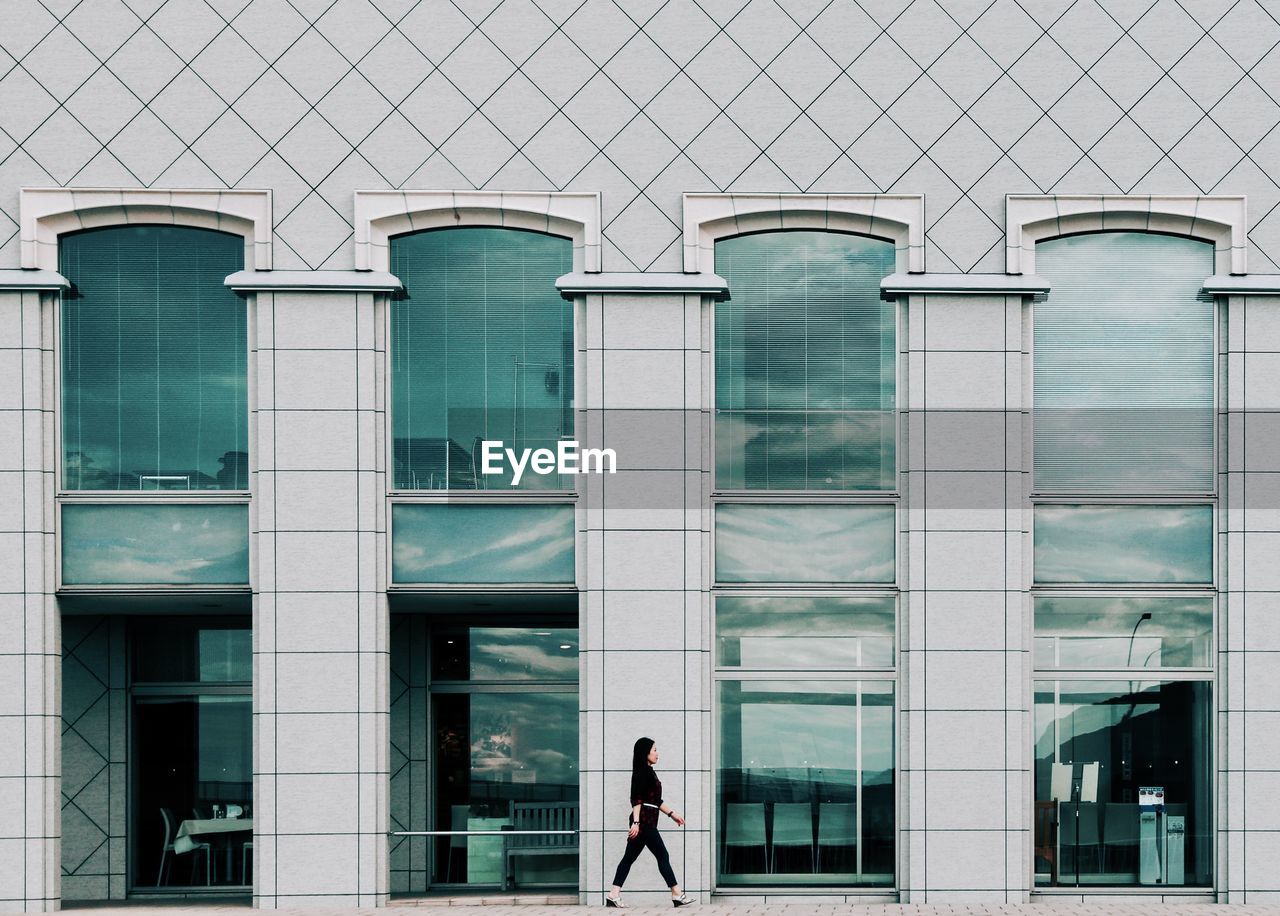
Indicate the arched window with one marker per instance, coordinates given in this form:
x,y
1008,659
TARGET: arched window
x,y
481,349
154,361
1123,563
804,361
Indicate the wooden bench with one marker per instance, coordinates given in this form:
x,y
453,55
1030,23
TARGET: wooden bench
x,y
540,816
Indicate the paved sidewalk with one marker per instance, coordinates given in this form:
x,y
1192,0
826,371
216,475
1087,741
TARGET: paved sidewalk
x,y
742,909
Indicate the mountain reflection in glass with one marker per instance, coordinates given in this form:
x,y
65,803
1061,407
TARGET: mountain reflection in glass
x,y
1112,632
822,543
481,348
1131,544
154,361
804,363
826,631
481,544
1124,365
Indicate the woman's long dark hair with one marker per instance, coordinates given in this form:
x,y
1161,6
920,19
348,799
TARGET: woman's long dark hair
x,y
642,775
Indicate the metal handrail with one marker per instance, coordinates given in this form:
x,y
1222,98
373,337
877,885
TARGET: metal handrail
x,y
483,832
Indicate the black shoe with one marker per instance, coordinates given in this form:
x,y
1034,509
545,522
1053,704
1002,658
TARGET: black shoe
x,y
682,900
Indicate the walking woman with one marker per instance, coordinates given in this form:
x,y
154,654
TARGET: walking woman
x,y
646,803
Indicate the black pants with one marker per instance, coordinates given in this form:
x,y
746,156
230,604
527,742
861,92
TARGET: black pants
x,y
650,837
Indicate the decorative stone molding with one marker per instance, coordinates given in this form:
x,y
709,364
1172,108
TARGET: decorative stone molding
x,y
1032,218
896,218
312,281
1252,285
380,215
581,284
31,280
962,285
46,213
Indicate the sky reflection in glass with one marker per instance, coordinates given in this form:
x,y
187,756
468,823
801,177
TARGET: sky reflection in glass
x,y
1132,544
797,543
481,544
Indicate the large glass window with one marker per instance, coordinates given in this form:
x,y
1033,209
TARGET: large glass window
x,y
1124,563
804,363
192,797
481,349
154,361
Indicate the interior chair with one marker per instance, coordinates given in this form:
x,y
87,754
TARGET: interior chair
x,y
837,827
744,829
792,829
166,850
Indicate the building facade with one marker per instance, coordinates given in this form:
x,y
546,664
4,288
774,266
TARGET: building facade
x,y
920,355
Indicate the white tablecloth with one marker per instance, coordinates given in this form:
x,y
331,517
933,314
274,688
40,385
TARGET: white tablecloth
x,y
185,841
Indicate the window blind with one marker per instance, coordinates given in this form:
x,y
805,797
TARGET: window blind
x,y
154,361
1124,366
481,348
804,363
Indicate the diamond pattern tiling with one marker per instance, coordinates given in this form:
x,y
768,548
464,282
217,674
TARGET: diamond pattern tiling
x,y
641,150
1206,73
1045,72
601,109
1126,72
104,105
1045,153
809,151
647,231
1085,112
641,69
478,149
924,112
271,107
519,110
1125,154
188,106
884,152
1206,154
600,29
312,66
711,93
101,25
146,147
230,147
26,23
518,28
395,67
844,31
1167,32
60,63
884,71
437,108
844,111
1085,32
477,68
965,71
969,233
963,153
313,230
229,65
924,31
803,71
354,107
313,148
682,29
762,111
354,27
396,149
1246,113
186,26
722,70
269,26
1247,32
62,146
722,151
559,68
762,30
